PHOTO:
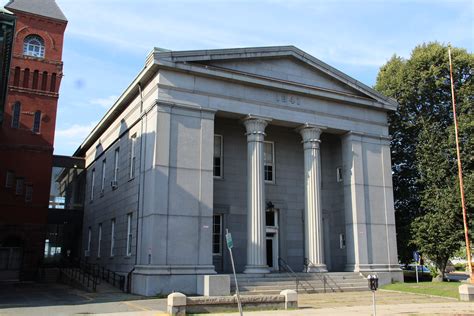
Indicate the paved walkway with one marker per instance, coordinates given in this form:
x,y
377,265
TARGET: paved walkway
x,y
40,299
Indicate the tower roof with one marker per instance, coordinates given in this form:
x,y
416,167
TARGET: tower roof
x,y
46,8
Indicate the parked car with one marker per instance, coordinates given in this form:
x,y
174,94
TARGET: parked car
x,y
409,273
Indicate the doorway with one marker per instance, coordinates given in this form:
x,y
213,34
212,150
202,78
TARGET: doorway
x,y
271,216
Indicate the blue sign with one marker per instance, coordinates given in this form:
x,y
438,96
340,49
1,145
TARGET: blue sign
x,y
416,256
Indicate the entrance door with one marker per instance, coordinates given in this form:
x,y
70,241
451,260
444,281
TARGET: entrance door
x,y
270,253
271,217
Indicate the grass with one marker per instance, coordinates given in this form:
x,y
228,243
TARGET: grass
x,y
447,289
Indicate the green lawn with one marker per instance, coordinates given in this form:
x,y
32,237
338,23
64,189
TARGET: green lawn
x,y
448,289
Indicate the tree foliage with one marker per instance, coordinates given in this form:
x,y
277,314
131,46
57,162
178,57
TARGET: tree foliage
x,y
427,201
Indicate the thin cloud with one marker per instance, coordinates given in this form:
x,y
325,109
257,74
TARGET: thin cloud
x,y
104,102
75,130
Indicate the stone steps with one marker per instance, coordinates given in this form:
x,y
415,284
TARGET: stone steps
x,y
308,283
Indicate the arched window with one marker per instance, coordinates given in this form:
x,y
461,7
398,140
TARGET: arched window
x,y
26,78
16,115
53,82
33,46
44,80
16,77
37,122
35,79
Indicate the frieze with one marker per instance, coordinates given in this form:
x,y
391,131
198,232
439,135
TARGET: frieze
x,y
285,98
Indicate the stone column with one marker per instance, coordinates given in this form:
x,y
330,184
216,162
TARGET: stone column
x,y
313,212
256,234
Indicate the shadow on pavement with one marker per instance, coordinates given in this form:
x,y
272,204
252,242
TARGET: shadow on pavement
x,y
31,294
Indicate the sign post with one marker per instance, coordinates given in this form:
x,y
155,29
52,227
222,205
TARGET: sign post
x,y
230,245
416,257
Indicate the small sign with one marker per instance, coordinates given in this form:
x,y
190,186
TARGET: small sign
x,y
228,238
416,256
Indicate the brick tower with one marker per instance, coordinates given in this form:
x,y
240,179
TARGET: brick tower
x,y
27,135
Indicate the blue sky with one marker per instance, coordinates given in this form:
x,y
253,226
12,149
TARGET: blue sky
x,y
106,41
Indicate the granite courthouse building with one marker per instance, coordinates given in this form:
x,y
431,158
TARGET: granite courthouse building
x,y
288,153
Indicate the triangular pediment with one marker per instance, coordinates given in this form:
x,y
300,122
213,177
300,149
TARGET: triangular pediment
x,y
287,69
285,64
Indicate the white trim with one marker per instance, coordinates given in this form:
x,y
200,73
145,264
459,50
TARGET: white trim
x,y
129,235
102,183
133,157
99,240
92,184
89,240
116,162
112,236
273,161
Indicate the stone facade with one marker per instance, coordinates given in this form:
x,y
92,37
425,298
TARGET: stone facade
x,y
280,114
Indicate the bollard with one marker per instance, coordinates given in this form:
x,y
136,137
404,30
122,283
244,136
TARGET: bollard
x,y
177,304
291,298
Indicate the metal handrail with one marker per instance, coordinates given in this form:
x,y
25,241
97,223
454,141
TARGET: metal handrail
x,y
323,278
284,267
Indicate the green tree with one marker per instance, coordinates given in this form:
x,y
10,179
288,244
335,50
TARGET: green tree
x,y
427,201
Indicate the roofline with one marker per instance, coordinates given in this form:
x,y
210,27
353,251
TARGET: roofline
x,y
13,10
289,50
169,58
143,76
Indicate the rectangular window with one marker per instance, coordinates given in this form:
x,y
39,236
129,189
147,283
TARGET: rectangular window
x,y
132,155
92,184
37,122
28,193
9,179
99,240
129,234
116,165
339,174
217,235
89,240
342,241
218,153
112,237
20,183
269,161
102,182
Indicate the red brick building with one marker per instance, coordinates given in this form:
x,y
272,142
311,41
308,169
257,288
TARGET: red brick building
x,y
27,135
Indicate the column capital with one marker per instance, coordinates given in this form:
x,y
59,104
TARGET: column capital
x,y
310,134
255,125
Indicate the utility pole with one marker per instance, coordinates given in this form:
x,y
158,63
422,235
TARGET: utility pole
x,y
461,184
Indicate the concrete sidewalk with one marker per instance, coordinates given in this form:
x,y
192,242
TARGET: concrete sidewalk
x,y
49,300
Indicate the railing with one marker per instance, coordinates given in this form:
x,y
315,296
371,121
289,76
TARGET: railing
x,y
322,276
78,274
84,271
284,267
112,277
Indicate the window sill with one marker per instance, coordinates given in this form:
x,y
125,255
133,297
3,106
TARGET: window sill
x,y
128,257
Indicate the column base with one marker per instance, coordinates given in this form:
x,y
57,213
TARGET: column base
x,y
316,268
256,269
